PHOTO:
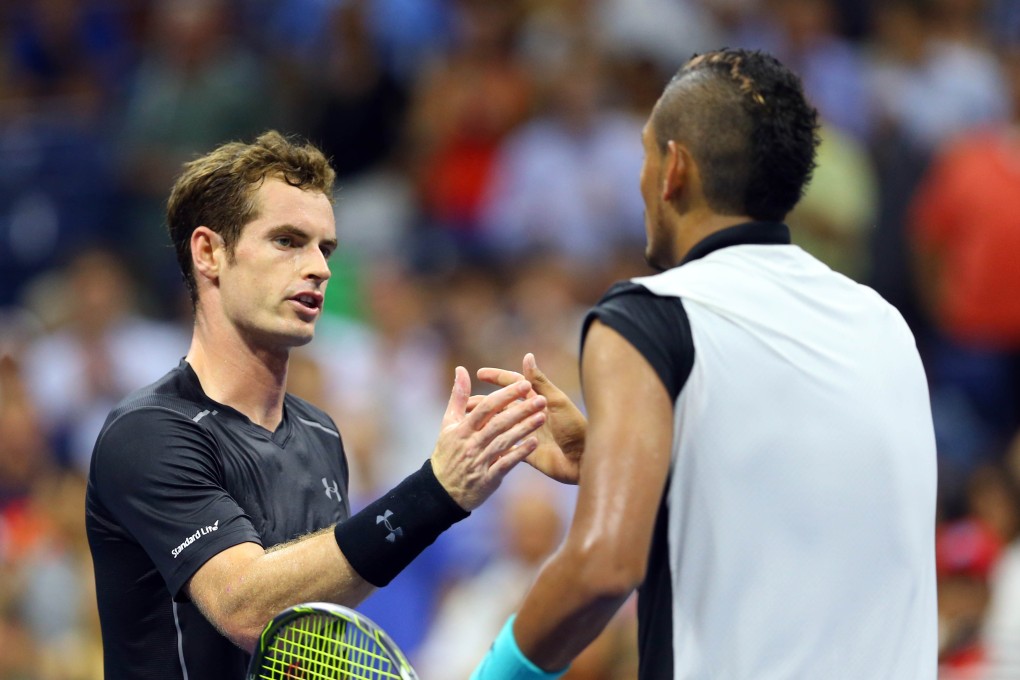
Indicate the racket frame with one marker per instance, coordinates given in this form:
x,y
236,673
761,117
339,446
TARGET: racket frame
x,y
285,619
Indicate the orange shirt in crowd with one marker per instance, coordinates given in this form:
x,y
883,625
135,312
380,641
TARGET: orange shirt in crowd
x,y
966,214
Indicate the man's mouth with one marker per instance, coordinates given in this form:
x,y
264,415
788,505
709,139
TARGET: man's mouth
x,y
309,300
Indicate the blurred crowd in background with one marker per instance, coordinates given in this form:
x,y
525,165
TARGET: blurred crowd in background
x,y
488,154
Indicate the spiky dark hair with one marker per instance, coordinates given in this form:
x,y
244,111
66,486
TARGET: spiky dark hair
x,y
744,118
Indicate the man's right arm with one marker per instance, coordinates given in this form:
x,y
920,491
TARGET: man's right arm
x,y
242,587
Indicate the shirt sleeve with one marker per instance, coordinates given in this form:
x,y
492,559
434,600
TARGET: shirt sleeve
x,y
658,328
157,474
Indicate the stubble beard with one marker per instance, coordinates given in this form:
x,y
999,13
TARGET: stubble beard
x,y
280,336
653,256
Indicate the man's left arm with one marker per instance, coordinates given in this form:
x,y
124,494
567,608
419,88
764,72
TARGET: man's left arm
x,y
604,556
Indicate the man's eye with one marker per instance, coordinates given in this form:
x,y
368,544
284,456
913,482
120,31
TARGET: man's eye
x,y
285,241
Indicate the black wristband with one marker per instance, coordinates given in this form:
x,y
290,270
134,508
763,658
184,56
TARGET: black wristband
x,y
387,535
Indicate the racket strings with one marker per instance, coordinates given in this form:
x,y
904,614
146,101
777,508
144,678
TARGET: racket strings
x,y
326,648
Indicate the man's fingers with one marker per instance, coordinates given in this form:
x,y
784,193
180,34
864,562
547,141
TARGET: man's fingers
x,y
533,373
495,402
459,397
473,401
511,458
512,425
498,376
531,366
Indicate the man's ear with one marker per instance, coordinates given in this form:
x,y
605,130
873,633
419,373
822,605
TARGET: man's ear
x,y
208,253
675,171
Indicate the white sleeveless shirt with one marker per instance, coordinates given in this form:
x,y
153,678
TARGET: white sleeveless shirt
x,y
801,506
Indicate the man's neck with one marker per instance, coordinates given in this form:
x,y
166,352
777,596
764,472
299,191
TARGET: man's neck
x,y
700,225
233,372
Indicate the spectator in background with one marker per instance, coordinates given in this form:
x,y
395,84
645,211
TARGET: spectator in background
x,y
24,453
833,220
356,108
60,69
23,456
547,299
668,30
78,49
966,236
529,526
976,563
966,551
963,21
1001,632
564,181
46,614
99,348
405,33
473,313
550,29
58,597
926,90
1001,626
17,655
465,104
802,33
993,498
1002,22
410,33
197,86
358,104
899,159
926,85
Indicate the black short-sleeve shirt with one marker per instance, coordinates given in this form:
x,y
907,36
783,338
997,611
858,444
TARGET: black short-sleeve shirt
x,y
657,327
177,478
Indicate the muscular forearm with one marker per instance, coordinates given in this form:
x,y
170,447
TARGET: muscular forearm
x,y
258,585
573,599
243,587
605,556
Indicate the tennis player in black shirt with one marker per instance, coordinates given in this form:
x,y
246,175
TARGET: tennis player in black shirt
x,y
215,499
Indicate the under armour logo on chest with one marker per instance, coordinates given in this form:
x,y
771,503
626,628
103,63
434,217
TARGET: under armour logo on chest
x,y
332,490
394,531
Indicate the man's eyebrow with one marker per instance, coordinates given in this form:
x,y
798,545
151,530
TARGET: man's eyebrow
x,y
287,229
302,233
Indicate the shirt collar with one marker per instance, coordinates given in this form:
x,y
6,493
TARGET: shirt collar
x,y
746,233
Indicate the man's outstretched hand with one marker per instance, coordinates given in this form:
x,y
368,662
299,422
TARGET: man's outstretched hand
x,y
479,444
561,438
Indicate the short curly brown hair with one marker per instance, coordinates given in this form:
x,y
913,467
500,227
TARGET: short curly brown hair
x,y
217,190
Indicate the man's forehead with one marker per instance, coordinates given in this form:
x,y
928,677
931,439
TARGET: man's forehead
x,y
275,199
274,191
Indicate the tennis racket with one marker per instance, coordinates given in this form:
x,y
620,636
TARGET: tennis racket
x,y
321,641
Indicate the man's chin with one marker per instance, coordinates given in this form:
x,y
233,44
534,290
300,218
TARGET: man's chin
x,y
300,340
295,337
302,330
655,262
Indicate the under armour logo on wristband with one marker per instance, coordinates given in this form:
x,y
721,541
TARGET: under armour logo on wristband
x,y
394,531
